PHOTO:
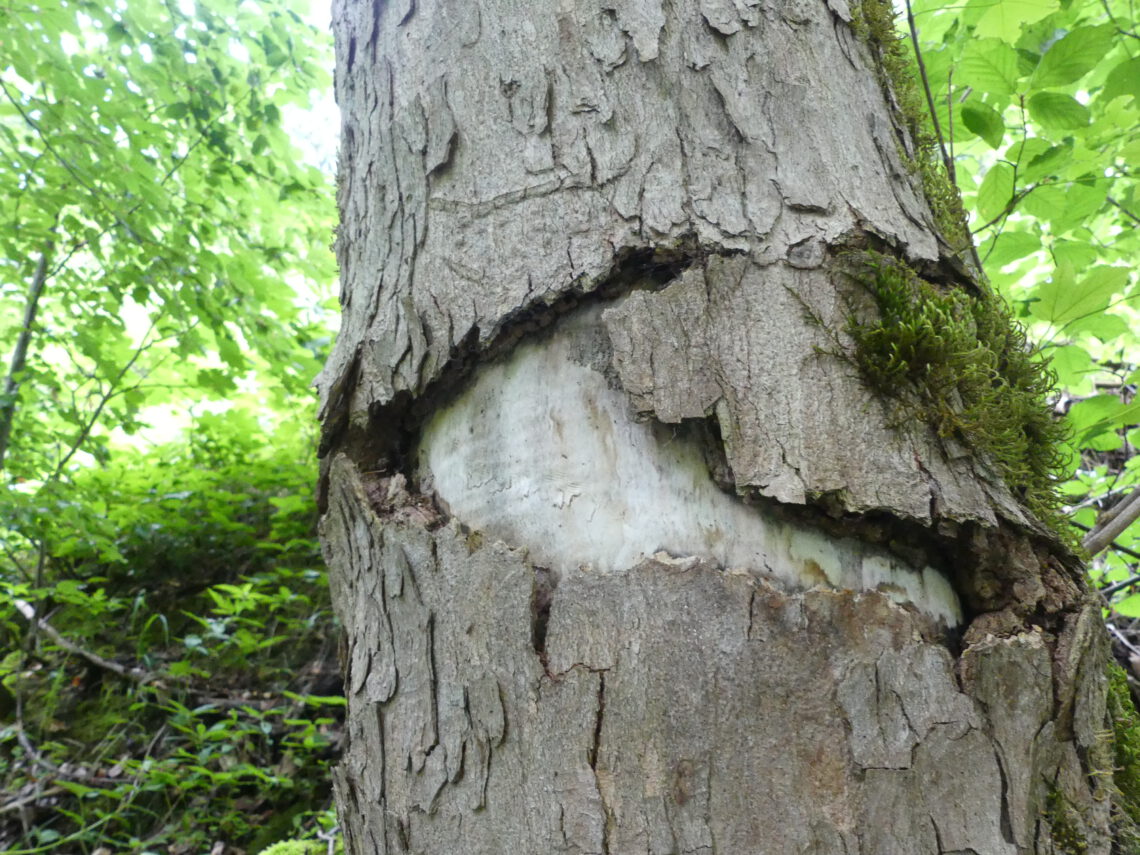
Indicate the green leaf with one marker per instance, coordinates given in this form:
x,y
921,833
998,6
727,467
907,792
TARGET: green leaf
x,y
1058,112
1094,418
985,122
990,65
1063,206
1074,56
1129,606
1062,299
1005,18
1102,326
1074,368
1040,159
1124,79
1009,246
996,191
1078,254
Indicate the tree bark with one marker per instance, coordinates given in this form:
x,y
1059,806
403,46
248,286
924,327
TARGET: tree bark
x,y
629,559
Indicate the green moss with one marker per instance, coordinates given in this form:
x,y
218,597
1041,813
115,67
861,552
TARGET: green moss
x,y
961,364
874,23
1064,824
1125,732
300,847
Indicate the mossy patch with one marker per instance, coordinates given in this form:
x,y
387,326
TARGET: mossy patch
x,y
958,362
873,21
1064,824
1125,731
297,847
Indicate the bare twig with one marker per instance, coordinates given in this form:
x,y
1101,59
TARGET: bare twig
x,y
112,391
1121,638
1119,586
1125,210
17,803
1116,546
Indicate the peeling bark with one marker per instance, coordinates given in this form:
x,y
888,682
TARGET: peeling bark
x,y
628,558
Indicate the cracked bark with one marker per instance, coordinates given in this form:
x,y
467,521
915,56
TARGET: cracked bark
x,y
624,564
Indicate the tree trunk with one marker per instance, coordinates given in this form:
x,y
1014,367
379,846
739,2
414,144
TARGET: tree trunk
x,y
629,558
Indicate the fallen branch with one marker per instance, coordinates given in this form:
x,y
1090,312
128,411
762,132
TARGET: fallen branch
x,y
22,801
29,612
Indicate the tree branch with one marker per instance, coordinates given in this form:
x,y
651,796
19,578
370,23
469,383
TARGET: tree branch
x,y
1112,523
20,354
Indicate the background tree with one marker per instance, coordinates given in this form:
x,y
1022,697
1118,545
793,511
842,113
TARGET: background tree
x,y
805,601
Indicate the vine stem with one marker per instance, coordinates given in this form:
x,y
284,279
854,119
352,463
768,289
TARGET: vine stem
x,y
946,161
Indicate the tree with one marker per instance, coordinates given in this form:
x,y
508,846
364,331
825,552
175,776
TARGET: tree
x,y
685,487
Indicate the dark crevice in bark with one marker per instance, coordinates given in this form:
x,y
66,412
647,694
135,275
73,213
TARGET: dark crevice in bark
x,y
541,600
433,685
948,271
592,756
937,837
1006,822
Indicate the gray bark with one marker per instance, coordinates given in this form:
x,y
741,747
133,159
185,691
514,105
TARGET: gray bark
x,y
628,562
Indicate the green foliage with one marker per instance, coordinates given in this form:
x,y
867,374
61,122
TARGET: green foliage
x,y
198,567
148,177
167,258
1042,119
959,363
299,847
1039,108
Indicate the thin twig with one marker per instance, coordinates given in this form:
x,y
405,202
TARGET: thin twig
x,y
1116,546
1120,586
1124,641
1125,210
18,803
111,392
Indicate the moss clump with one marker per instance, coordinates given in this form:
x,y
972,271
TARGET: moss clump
x,y
873,21
1064,824
961,364
1125,731
300,847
